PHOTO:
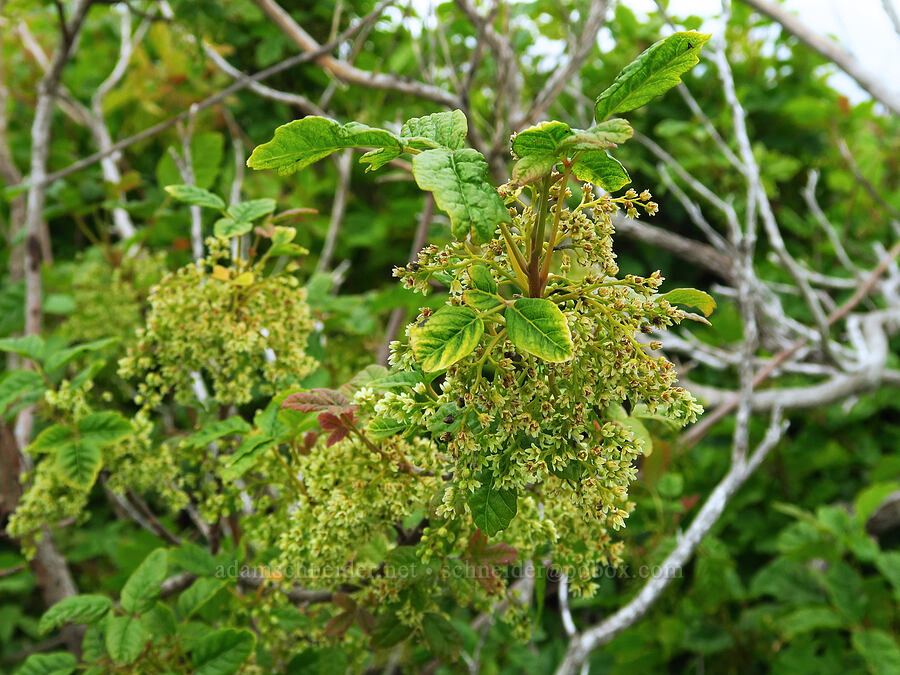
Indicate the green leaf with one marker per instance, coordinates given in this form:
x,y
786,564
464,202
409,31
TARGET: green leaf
x,y
640,433
60,358
447,336
389,631
531,167
600,168
482,279
446,419
655,71
545,138
191,194
92,646
225,228
213,431
244,458
17,383
866,503
58,303
382,427
142,588
482,301
845,587
879,650
52,663
446,129
492,509
889,565
806,619
101,429
441,636
52,439
193,558
607,134
77,463
126,637
283,235
29,346
400,379
251,210
538,327
197,595
458,179
691,297
75,609
160,621
222,652
298,144
78,456
379,157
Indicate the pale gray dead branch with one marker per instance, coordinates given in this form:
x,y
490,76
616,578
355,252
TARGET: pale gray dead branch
x,y
871,82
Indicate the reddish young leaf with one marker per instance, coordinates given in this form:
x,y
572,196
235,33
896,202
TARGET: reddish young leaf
x,y
365,620
344,601
498,554
316,400
329,421
339,624
309,440
336,436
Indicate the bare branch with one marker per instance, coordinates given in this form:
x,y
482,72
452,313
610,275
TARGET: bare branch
x,y
581,645
809,195
688,249
338,207
185,165
208,102
289,98
508,75
343,70
396,319
829,50
596,15
711,418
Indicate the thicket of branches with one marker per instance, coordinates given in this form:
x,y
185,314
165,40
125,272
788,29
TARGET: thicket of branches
x,y
766,528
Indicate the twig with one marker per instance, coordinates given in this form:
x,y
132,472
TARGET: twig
x,y
581,645
396,319
343,162
202,105
289,98
829,50
596,14
343,70
700,429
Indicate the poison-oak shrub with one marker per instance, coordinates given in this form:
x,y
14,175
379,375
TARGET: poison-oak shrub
x,y
505,432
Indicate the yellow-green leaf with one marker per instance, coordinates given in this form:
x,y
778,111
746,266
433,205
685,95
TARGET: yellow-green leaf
x,y
447,336
542,139
492,508
191,194
538,327
691,297
598,167
445,129
481,301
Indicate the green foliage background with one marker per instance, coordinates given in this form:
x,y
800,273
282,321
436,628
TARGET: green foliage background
x,y
789,581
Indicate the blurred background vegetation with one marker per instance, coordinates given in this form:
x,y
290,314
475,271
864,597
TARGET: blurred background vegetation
x,y
801,571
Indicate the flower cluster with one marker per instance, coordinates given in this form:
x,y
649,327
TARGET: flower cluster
x,y
556,430
242,332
